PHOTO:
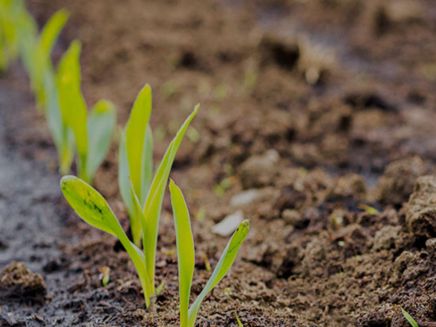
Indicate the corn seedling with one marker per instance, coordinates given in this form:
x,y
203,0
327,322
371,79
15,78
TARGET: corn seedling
x,y
35,50
186,257
18,33
11,14
94,210
409,318
136,159
91,131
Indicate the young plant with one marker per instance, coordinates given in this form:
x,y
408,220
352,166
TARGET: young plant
x,y
93,209
409,318
91,132
186,257
136,159
36,51
10,11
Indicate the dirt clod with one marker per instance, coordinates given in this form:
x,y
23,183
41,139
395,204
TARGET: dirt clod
x,y
19,282
421,208
398,180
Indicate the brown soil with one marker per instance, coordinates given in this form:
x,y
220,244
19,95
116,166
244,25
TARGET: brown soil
x,y
323,111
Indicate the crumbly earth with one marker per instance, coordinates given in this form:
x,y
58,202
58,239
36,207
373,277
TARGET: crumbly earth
x,y
317,121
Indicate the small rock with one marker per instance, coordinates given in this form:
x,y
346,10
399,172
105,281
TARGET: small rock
x,y
245,198
421,208
229,224
258,170
384,239
19,282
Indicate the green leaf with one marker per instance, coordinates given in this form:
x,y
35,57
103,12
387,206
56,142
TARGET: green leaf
x,y
185,249
72,103
136,132
51,31
61,135
138,215
42,52
224,264
123,174
153,204
409,318
147,169
101,125
136,157
90,205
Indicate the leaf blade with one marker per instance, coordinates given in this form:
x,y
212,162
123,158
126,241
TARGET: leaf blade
x,y
90,205
72,103
222,268
185,249
136,131
101,125
153,204
409,318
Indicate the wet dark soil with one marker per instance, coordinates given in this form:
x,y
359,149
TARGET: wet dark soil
x,y
318,123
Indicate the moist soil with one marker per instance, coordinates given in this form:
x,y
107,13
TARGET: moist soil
x,y
317,123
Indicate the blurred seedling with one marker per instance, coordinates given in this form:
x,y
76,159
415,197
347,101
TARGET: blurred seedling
x,y
238,320
36,53
13,18
91,132
104,276
186,257
91,206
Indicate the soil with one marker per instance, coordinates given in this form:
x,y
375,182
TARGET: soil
x,y
317,122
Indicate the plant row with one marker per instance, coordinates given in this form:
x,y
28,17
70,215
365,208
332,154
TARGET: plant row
x,y
85,136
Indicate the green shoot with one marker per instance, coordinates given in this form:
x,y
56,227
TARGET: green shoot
x,y
37,56
93,209
238,320
91,132
10,13
186,257
153,203
409,318
136,158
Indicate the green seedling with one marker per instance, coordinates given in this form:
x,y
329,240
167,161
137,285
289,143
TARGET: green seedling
x,y
238,320
10,11
36,52
93,209
136,159
409,318
186,257
91,131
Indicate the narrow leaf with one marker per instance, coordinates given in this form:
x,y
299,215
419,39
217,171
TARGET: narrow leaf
x,y
51,31
153,204
72,103
42,52
136,131
185,249
409,318
61,135
123,174
147,165
101,124
224,264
